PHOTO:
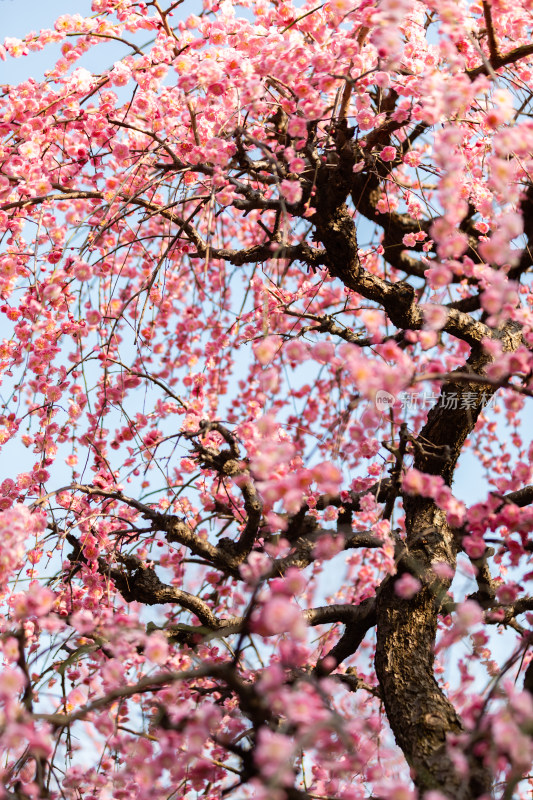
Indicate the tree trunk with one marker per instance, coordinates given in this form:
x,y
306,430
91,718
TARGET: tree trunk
x,y
419,713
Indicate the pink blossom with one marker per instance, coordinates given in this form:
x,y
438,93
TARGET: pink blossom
x,y
511,741
474,546
176,334
270,380
412,158
81,80
82,271
416,482
365,119
11,682
428,339
120,74
255,567
341,6
297,127
507,592
413,482
265,349
121,152
435,316
407,586
279,615
36,601
511,224
295,350
83,621
442,570
323,352
11,649
93,317
76,697
439,276
30,149
409,239
328,546
502,109
297,165
269,457
292,583
41,475
5,185
273,756
496,250
502,173
291,191
327,476
388,153
468,614
156,648
382,79
455,512
16,524
226,196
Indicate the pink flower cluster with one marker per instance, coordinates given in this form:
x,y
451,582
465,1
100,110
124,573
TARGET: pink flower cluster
x,y
468,615
16,525
277,612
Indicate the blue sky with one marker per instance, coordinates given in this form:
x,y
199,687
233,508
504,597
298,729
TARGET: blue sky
x,y
19,17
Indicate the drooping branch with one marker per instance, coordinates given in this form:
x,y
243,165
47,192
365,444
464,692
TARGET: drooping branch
x,y
175,529
228,463
141,584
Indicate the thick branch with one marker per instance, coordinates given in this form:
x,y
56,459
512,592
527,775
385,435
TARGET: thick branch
x,y
363,619
502,60
521,498
346,613
141,584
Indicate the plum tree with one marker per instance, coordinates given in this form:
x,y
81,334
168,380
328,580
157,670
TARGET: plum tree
x,y
265,281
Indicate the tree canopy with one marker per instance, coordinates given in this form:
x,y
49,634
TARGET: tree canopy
x,y
265,283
